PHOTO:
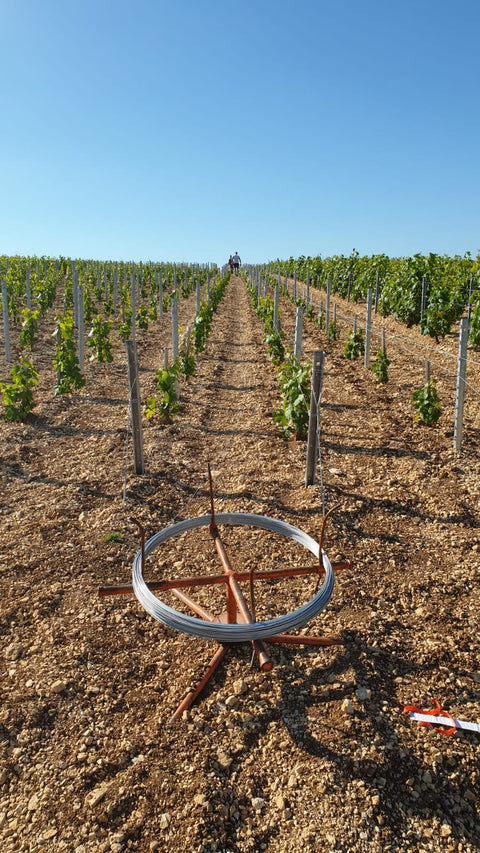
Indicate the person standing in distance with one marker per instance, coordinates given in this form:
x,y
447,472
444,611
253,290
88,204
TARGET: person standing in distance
x,y
236,262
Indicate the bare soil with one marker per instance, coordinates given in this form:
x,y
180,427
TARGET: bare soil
x,y
317,754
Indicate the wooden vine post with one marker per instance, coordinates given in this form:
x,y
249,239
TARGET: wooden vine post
x,y
175,344
135,407
461,377
423,304
327,305
28,289
174,319
58,344
377,290
160,292
115,288
133,301
80,328
368,328
276,328
349,290
313,418
297,346
6,328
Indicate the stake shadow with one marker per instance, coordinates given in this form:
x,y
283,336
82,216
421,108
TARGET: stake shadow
x,y
395,758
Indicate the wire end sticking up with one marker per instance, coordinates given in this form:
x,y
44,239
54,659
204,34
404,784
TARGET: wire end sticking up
x,y
321,570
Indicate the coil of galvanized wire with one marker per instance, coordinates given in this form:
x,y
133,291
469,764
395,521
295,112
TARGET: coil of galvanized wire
x,y
232,633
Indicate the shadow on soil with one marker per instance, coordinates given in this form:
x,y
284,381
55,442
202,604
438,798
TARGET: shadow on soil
x,y
309,696
372,745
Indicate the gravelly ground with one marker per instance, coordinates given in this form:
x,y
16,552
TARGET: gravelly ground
x,y
316,754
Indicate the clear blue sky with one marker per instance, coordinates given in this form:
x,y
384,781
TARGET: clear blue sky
x,y
183,130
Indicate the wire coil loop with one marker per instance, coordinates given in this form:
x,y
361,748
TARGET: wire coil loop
x,y
232,633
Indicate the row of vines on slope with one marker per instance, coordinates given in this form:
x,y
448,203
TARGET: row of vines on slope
x,y
294,376
166,402
120,297
425,399
432,291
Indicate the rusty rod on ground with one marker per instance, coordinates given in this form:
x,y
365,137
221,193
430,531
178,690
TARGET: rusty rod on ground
x,y
192,694
206,580
305,640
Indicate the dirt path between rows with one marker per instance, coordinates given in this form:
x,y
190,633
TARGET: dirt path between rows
x,y
316,754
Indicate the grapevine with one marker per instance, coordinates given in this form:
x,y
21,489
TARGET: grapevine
x,y
69,375
427,404
99,340
18,395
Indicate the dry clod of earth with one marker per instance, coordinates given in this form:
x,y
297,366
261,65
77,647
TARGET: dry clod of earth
x,y
316,754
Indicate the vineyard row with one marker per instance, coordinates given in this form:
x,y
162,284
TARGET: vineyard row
x,y
118,297
327,319
432,291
